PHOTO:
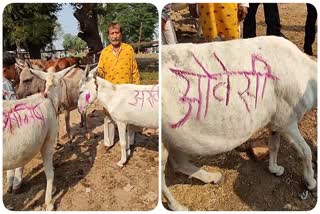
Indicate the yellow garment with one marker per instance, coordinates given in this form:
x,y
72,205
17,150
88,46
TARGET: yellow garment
x,y
219,19
119,70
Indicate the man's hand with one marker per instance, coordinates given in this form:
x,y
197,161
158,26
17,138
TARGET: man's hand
x,y
100,73
242,12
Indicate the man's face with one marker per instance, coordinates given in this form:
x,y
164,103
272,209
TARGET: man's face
x,y
114,36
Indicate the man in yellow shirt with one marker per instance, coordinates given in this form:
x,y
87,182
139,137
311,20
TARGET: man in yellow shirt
x,y
118,65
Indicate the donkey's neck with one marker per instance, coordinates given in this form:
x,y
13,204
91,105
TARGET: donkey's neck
x,y
106,92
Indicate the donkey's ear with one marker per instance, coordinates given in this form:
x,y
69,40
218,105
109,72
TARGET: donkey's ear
x,y
62,73
93,72
20,66
28,63
40,74
87,70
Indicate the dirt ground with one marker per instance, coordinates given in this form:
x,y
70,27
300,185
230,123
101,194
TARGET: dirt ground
x,y
248,185
87,178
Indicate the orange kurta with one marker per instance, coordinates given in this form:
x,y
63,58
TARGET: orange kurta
x,y
219,19
119,69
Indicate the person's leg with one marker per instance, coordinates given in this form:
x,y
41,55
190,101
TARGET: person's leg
x,y
249,23
208,21
310,29
226,17
272,18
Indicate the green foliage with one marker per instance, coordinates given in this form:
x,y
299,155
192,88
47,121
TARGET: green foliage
x,y
130,17
73,42
29,24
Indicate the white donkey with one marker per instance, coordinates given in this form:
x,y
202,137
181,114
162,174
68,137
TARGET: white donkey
x,y
127,104
216,95
30,125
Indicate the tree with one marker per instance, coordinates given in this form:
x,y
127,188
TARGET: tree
x,y
86,14
30,26
130,17
73,42
96,17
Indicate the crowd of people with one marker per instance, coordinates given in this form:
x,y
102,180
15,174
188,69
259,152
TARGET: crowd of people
x,y
221,21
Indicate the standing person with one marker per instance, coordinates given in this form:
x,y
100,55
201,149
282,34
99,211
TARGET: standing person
x,y
272,19
14,176
221,20
167,28
118,65
310,29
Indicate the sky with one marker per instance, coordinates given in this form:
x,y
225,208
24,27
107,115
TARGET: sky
x,y
68,22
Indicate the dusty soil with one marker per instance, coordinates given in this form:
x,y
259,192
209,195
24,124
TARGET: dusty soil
x,y
248,185
87,178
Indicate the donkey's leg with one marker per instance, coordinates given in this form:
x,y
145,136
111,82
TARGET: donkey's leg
x,y
172,202
274,144
181,164
293,135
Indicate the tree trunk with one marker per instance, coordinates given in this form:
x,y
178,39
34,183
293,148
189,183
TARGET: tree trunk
x,y
88,19
140,37
34,51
